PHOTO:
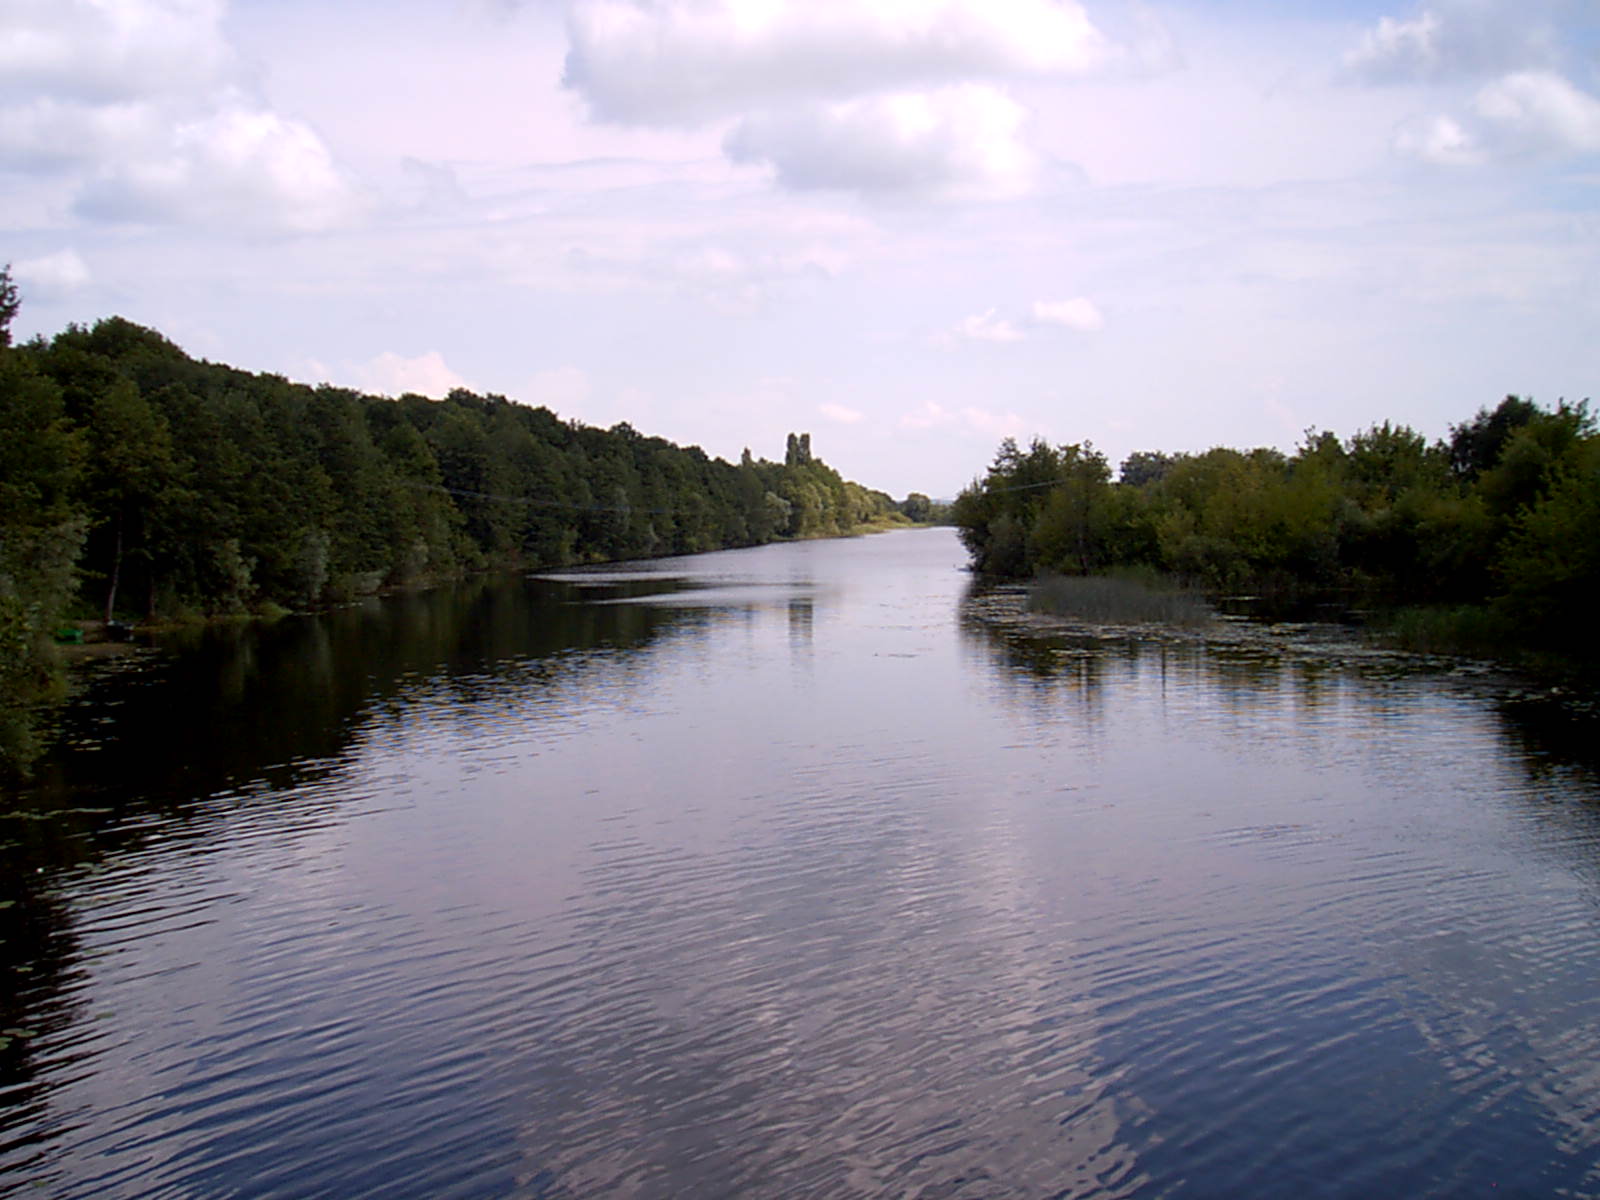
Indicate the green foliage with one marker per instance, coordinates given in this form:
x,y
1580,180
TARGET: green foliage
x,y
206,489
129,469
1145,466
1548,565
918,508
1071,531
142,482
1491,538
41,531
39,452
1011,522
1475,445
37,577
1531,458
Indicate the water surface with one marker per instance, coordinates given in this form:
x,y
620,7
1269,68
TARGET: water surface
x,y
790,871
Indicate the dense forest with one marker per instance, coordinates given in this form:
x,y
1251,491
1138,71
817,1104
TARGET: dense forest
x,y
1493,533
137,482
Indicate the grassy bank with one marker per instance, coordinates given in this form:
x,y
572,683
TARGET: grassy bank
x,y
1137,596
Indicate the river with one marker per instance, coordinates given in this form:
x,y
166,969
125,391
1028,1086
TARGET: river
x,y
792,872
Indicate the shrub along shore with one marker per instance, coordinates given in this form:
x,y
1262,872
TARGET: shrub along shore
x,y
138,484
1485,542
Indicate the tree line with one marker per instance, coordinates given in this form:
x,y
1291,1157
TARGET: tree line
x,y
138,482
1500,521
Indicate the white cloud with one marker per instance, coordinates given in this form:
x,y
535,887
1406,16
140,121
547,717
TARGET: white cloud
x,y
1439,140
136,103
104,51
661,62
1540,110
989,327
841,414
54,133
1455,39
1244,187
238,167
1521,114
390,374
1398,48
1079,313
960,141
52,275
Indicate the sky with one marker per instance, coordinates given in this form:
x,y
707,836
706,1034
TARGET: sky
x,y
909,227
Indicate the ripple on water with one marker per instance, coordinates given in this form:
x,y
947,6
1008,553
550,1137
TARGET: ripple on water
x,y
866,903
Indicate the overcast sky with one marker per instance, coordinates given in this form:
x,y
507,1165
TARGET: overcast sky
x,y
910,227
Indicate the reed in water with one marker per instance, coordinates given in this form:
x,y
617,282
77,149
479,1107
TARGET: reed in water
x,y
1122,598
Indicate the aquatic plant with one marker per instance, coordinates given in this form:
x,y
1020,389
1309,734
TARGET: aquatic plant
x,y
1120,598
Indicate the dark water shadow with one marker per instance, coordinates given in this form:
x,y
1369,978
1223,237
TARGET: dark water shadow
x,y
147,742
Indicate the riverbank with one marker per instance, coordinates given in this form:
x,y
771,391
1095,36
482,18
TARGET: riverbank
x,y
1068,615
99,637
1135,595
20,720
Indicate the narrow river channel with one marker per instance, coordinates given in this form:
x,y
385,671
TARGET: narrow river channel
x,y
789,872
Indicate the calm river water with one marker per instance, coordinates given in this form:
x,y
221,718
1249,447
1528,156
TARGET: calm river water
x,y
787,872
